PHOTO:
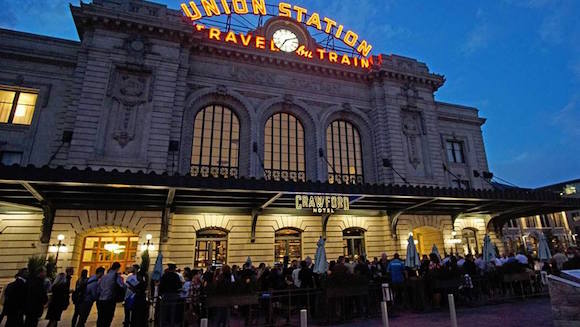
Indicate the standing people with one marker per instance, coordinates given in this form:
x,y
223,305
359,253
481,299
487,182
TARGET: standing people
x,y
91,295
131,282
78,295
169,287
140,308
15,300
36,297
59,300
396,269
111,289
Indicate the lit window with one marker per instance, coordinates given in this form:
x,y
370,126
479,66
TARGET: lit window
x,y
284,149
343,150
353,242
216,139
211,247
455,152
288,244
17,107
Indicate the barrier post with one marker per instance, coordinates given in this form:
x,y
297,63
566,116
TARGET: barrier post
x,y
203,322
385,314
452,312
303,318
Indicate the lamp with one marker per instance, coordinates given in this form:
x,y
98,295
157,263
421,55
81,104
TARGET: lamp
x,y
149,245
58,247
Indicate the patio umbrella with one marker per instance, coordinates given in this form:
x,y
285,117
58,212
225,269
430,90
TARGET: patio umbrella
x,y
436,251
320,264
543,249
249,262
488,249
412,259
158,269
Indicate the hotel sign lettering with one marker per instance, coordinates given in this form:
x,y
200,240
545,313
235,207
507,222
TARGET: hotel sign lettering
x,y
199,9
322,203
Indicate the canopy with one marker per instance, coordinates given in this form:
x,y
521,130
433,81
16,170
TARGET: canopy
x,y
320,264
412,259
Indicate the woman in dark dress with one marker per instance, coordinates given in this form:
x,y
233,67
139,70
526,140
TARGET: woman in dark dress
x,y
59,301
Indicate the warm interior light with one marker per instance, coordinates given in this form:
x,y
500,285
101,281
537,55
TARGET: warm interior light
x,y
60,237
149,237
115,248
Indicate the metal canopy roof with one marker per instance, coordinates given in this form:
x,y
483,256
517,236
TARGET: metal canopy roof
x,y
29,188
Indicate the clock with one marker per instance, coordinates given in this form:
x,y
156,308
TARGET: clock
x,y
285,40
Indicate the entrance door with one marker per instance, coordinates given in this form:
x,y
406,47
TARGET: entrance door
x,y
426,236
102,250
353,242
211,248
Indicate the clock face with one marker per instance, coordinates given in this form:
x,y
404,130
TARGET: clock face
x,y
285,40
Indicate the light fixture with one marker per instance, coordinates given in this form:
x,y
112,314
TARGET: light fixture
x,y
60,237
149,237
453,233
149,245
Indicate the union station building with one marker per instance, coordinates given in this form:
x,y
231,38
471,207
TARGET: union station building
x,y
154,131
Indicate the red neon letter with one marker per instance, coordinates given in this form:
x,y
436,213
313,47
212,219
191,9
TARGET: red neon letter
x,y
260,42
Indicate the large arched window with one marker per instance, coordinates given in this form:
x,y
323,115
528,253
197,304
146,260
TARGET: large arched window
x,y
353,242
211,247
216,138
343,149
288,243
284,149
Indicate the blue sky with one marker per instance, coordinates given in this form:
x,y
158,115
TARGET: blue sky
x,y
518,61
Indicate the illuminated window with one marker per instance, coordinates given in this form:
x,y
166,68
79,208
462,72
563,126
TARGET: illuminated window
x,y
288,244
284,149
17,107
469,241
216,140
211,247
343,149
353,242
455,152
102,251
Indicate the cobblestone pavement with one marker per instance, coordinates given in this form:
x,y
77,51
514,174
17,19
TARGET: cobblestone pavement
x,y
528,313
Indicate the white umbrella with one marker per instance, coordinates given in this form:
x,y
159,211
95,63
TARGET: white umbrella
x,y
543,249
412,259
320,264
488,249
436,251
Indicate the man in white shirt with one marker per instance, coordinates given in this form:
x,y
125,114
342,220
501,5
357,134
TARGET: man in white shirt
x,y
295,277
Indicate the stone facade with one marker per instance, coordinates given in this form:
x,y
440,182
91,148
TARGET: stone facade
x,y
565,299
133,84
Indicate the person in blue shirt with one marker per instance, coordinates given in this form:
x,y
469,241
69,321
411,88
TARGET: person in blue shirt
x,y
396,269
89,297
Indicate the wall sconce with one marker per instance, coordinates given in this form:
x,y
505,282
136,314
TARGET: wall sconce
x,y
58,247
149,245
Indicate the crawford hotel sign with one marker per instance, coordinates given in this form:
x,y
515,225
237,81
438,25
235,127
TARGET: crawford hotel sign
x,y
354,53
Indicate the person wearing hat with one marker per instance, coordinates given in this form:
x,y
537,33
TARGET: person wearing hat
x,y
169,287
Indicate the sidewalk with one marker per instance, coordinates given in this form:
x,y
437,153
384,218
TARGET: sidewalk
x,y
529,313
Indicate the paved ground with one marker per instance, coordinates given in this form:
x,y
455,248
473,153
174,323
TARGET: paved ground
x,y
529,313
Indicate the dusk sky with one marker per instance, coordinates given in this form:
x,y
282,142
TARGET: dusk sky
x,y
518,61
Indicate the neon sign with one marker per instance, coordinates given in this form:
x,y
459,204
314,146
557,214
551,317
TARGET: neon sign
x,y
210,8
260,42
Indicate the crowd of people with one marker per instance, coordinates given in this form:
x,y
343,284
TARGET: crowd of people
x,y
180,296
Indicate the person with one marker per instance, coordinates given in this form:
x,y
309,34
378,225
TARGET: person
x,y
223,286
130,282
59,301
305,276
78,295
559,259
36,297
396,270
573,262
111,287
15,300
89,297
139,309
295,274
169,287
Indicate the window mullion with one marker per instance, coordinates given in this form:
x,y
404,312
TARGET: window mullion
x,y
13,109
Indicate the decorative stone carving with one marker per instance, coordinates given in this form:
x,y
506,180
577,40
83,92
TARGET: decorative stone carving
x,y
129,91
137,46
409,91
413,131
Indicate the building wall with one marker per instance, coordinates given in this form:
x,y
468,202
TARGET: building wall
x,y
19,240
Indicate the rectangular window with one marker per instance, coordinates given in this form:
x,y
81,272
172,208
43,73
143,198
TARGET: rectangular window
x,y
455,152
17,107
9,158
460,183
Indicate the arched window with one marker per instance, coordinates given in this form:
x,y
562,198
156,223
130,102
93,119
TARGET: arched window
x,y
469,241
288,243
343,149
284,149
216,140
211,247
353,242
